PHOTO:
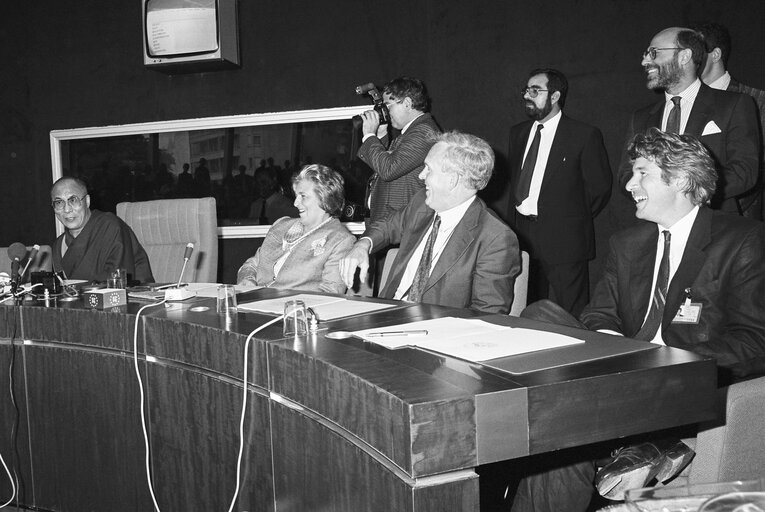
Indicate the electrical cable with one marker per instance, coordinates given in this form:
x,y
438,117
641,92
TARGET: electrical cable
x,y
244,407
14,431
143,415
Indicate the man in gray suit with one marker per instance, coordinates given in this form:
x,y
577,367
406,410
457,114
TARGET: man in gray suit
x,y
454,250
397,164
715,75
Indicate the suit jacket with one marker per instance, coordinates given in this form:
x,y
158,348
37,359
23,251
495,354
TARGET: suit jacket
x,y
397,168
476,269
312,265
723,265
736,148
753,200
575,187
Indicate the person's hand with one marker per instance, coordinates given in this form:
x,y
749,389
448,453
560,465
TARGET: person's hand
x,y
357,257
370,122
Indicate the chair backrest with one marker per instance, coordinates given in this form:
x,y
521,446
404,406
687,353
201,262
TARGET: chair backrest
x,y
165,226
735,450
521,288
42,261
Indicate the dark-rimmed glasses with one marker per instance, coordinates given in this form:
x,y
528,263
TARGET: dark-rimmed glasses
x,y
533,92
651,51
74,203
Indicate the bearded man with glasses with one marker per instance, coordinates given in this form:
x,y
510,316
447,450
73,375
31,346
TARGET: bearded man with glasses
x,y
725,122
94,243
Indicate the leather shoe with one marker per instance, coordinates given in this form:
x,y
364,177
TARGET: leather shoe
x,y
633,467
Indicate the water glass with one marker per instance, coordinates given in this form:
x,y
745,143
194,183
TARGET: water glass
x,y
117,278
295,320
226,299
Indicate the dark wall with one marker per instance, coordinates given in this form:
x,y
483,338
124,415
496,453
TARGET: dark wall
x,y
78,64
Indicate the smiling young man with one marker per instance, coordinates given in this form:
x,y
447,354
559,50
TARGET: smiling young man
x,y
725,122
93,243
454,251
690,277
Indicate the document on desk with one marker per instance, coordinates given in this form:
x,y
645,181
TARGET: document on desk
x,y
325,307
469,339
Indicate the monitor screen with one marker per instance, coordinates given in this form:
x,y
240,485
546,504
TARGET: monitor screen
x,y
181,27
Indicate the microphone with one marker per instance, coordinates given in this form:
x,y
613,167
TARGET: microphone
x,y
179,293
364,88
16,253
32,254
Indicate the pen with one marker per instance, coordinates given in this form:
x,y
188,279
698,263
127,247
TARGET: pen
x,y
398,333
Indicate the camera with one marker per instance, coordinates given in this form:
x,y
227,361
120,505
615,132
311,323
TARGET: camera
x,y
353,212
379,105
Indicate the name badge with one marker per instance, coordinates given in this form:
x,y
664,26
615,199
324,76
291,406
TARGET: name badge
x,y
689,313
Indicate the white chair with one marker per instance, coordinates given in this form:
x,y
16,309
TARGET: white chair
x,y
734,450
521,288
165,226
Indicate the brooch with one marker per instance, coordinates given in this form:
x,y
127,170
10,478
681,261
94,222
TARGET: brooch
x,y
317,246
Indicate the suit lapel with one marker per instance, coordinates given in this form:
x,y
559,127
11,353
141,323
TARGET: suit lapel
x,y
655,115
701,113
462,236
641,275
422,219
557,153
693,259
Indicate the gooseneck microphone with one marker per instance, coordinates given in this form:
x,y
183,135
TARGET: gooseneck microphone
x,y
30,258
186,256
16,252
365,88
177,293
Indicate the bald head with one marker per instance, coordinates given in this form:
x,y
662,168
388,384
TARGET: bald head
x,y
673,58
71,203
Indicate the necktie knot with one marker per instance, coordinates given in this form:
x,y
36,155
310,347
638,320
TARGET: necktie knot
x,y
676,100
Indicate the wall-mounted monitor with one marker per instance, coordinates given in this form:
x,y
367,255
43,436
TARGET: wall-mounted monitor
x,y
186,36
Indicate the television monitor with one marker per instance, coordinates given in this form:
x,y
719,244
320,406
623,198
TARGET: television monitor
x,y
190,35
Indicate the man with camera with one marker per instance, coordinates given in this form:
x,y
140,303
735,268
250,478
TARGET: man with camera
x,y
397,163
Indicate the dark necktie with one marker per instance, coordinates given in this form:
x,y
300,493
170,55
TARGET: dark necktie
x,y
423,269
527,169
653,320
673,121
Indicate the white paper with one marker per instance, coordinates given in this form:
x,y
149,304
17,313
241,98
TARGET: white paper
x,y
325,307
469,339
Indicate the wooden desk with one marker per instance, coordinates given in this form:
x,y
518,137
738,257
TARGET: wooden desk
x,y
335,425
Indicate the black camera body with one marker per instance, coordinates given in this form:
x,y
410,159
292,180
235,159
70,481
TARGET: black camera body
x,y
353,212
379,105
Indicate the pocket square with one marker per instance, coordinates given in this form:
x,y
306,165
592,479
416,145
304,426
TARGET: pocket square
x,y
711,128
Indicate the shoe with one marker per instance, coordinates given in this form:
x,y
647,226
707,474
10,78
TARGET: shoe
x,y
634,467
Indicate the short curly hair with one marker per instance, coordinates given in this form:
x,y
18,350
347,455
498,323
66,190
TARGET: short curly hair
x,y
680,157
469,156
328,184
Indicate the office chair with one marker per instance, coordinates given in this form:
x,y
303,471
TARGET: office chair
x,y
165,226
521,287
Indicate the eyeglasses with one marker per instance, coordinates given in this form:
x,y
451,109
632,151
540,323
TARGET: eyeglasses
x,y
532,91
74,203
651,52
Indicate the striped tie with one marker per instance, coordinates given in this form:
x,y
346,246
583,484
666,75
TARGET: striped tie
x,y
653,320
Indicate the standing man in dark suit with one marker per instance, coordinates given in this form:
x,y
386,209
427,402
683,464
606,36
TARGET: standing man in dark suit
x,y
716,76
725,122
559,184
397,164
454,250
690,277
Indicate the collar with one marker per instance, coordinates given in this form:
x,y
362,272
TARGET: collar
x,y
407,125
682,228
689,94
721,83
550,125
453,215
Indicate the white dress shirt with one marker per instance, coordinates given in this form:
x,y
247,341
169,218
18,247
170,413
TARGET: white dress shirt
x,y
687,97
449,220
680,231
529,206
721,83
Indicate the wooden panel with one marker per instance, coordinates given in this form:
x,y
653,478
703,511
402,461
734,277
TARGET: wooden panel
x,y
14,436
87,452
318,469
195,441
423,424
